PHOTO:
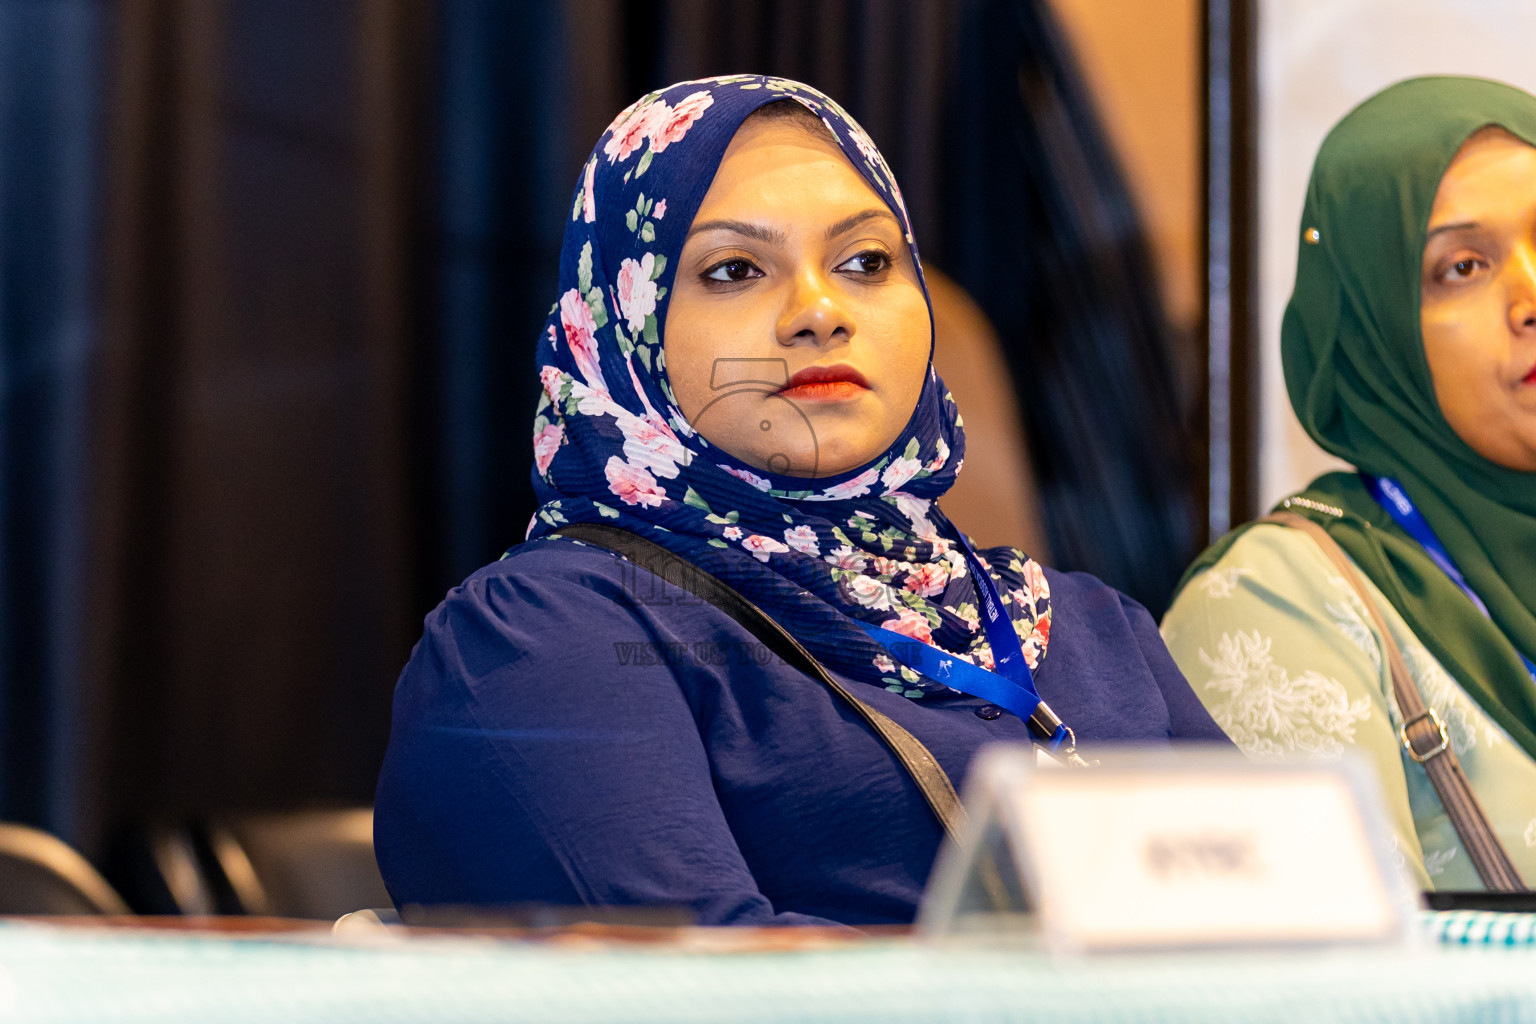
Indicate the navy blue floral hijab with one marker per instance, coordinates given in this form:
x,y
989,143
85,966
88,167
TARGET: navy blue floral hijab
x,y
612,446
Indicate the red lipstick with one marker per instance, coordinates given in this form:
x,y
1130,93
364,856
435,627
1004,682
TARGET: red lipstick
x,y
825,384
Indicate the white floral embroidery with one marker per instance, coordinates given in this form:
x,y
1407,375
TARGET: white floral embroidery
x,y
1349,616
1397,852
1270,715
1222,583
1463,724
1436,860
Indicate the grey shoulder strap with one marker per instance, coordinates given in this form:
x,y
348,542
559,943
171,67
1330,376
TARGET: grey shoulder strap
x,y
1423,733
918,761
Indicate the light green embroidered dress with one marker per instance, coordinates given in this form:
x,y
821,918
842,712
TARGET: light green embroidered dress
x,y
1280,650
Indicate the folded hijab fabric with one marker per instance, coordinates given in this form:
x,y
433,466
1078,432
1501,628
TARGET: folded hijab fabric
x,y
819,555
1359,381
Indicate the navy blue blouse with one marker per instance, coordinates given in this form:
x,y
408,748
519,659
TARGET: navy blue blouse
x,y
572,730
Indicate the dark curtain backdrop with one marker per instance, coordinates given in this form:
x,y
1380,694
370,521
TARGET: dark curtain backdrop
x,y
271,273
50,127
256,477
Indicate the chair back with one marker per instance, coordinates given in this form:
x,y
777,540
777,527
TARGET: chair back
x,y
315,864
41,874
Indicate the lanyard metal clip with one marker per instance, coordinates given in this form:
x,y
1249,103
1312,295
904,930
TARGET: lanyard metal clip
x,y
1058,739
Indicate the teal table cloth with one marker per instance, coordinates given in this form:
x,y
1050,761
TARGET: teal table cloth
x,y
1484,971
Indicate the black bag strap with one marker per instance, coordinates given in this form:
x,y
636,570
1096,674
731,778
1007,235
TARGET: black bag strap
x,y
918,761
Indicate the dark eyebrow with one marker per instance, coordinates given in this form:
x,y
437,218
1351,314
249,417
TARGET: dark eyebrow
x,y
847,223
1444,228
740,227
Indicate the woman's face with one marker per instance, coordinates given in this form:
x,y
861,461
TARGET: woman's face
x,y
1478,305
797,336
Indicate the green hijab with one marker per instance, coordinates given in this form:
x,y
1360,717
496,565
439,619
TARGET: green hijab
x,y
1358,379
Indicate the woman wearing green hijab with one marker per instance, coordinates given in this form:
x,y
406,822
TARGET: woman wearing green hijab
x,y
1409,348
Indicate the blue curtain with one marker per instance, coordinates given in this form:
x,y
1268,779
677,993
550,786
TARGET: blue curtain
x,y
50,112
504,140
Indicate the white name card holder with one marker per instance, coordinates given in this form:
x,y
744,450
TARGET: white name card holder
x,y
1191,848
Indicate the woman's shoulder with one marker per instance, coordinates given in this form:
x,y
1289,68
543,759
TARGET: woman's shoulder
x,y
580,571
1274,584
1081,599
1107,670
1273,606
555,583
552,610
1072,592
1267,556
564,558
561,559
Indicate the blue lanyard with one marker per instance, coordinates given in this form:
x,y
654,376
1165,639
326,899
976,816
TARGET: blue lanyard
x,y
1011,685
1390,495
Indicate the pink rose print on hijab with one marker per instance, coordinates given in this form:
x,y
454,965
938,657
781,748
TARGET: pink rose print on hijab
x,y
632,485
634,131
749,477
899,472
660,211
865,144
911,506
545,443
941,457
551,377
868,592
672,124
859,485
637,292
803,539
928,579
651,445
761,547
580,334
916,511
1035,643
844,557
1035,577
588,196
594,401
910,623
624,115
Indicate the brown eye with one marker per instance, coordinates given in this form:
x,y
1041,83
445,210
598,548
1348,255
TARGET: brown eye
x,y
1462,270
732,270
868,263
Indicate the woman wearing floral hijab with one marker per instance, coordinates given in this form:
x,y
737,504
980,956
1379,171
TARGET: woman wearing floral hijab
x,y
1410,350
737,370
